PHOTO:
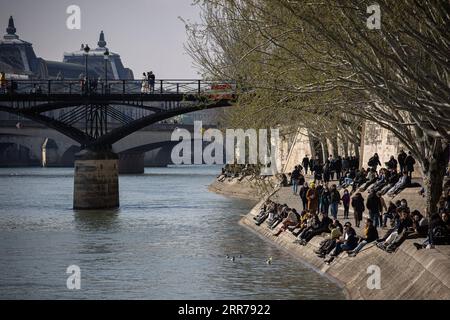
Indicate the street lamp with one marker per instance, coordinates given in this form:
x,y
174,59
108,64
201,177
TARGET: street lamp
x,y
86,50
106,58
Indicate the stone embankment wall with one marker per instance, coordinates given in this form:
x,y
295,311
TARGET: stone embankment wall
x,y
404,274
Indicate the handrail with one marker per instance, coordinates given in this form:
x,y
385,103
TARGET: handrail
x,y
113,86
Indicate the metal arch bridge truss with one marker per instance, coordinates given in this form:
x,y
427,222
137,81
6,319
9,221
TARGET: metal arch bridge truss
x,y
97,116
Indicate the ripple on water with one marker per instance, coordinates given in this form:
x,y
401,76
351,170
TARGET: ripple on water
x,y
169,240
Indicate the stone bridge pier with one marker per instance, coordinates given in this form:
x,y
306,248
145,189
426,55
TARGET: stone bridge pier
x,y
96,180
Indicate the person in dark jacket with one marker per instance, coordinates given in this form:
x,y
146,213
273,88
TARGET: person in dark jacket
x,y
323,226
305,163
302,192
404,227
335,199
324,198
401,160
358,207
392,164
374,162
326,171
438,232
338,167
370,235
318,170
348,242
373,204
295,175
393,179
409,164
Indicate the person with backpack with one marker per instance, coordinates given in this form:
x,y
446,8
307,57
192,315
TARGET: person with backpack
x,y
374,162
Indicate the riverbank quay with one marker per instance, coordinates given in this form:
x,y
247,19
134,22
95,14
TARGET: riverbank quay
x,y
247,187
407,273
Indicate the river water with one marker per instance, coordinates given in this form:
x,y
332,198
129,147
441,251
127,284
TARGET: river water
x,y
168,240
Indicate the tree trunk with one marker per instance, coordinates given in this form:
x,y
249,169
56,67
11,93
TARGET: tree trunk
x,y
356,147
324,150
433,174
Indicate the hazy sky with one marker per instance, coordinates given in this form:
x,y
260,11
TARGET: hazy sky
x,y
146,33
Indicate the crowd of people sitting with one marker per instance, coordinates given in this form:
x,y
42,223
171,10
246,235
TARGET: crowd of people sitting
x,y
388,180
239,171
320,201
340,238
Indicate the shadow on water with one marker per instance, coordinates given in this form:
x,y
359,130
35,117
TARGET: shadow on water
x,y
97,220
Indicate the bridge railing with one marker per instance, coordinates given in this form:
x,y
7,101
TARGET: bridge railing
x,y
216,89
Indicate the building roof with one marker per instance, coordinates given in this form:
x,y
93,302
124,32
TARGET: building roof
x,y
11,37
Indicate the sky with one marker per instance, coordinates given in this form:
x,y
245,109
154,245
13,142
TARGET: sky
x,y
147,34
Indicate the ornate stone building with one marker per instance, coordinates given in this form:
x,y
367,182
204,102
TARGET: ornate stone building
x,y
18,59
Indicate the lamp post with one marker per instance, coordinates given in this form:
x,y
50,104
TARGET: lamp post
x,y
86,50
106,58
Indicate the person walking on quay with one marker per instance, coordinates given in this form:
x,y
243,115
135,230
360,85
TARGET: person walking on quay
x,y
3,82
358,207
312,198
392,164
324,198
374,162
318,170
305,163
311,165
295,175
383,207
373,204
401,160
346,202
151,81
302,192
335,199
409,164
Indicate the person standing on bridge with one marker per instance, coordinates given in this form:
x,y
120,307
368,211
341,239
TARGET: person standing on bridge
x,y
151,81
144,86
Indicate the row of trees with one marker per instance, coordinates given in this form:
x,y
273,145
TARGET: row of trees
x,y
317,65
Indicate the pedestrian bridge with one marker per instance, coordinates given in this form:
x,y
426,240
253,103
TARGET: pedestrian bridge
x,y
90,106
96,115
